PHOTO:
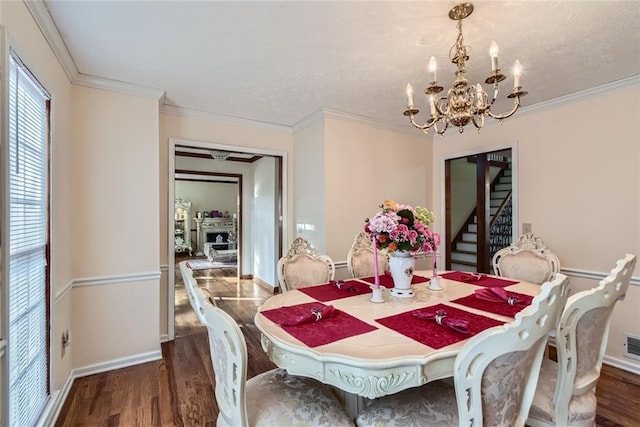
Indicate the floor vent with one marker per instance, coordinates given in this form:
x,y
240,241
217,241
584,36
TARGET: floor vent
x,y
632,346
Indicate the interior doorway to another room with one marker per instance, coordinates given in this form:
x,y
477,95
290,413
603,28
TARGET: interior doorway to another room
x,y
227,226
480,208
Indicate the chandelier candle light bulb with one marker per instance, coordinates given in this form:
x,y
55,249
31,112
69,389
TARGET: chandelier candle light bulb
x,y
433,66
409,92
517,72
493,52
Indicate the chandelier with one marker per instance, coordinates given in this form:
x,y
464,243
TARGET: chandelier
x,y
464,103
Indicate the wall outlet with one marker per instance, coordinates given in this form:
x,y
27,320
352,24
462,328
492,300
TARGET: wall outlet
x,y
526,227
65,341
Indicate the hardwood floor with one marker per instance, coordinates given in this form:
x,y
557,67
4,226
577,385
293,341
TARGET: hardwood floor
x,y
178,390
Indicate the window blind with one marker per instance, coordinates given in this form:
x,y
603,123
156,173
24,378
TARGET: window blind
x,y
27,246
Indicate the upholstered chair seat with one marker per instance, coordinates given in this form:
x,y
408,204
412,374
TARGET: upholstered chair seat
x,y
528,259
303,266
582,409
565,395
495,375
360,257
273,398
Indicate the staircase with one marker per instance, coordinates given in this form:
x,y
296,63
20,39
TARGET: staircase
x,y
464,246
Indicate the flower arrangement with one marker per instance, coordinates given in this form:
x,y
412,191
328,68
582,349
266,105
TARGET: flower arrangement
x,y
400,227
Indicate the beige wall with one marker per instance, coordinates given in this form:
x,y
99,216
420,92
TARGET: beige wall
x,y
34,51
578,184
366,165
115,217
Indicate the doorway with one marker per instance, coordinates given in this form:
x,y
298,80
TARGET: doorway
x,y
220,233
480,195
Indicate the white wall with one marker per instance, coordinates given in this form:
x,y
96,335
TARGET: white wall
x,y
309,185
578,185
208,196
265,221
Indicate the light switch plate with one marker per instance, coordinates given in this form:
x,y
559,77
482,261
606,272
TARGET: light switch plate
x,y
526,227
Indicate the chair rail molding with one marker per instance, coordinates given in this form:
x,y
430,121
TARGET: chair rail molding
x,y
593,275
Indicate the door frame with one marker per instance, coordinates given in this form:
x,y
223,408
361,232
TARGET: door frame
x,y
282,203
513,146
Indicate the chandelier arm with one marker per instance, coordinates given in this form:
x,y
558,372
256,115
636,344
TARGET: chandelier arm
x,y
506,115
423,127
441,132
479,122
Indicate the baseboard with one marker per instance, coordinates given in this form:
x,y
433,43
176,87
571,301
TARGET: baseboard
x,y
264,285
246,276
622,364
52,410
58,397
164,338
122,362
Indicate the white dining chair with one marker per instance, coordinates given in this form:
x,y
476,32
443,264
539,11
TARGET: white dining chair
x,y
195,293
303,266
495,374
528,259
566,389
360,257
273,398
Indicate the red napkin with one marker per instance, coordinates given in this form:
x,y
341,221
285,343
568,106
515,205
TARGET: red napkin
x,y
441,318
470,277
498,295
343,286
477,279
315,314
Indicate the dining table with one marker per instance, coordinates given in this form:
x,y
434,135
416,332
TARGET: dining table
x,y
335,334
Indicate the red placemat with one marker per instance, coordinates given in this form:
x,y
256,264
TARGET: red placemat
x,y
429,333
486,281
322,332
501,307
329,291
387,281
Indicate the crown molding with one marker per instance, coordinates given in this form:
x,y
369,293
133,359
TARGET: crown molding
x,y
593,92
325,113
40,13
42,17
221,118
117,86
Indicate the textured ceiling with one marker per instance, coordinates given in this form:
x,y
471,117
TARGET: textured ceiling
x,y
279,62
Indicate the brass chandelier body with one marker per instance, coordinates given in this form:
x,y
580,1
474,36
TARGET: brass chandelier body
x,y
464,103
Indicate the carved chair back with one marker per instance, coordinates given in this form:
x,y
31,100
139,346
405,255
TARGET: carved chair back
x,y
498,368
303,266
360,257
581,342
527,259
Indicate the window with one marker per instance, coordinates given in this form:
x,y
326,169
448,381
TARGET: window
x,y
27,245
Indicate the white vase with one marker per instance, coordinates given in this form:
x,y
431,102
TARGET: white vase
x,y
401,266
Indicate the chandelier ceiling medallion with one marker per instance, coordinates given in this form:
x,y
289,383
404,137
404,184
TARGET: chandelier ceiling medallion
x,y
464,103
